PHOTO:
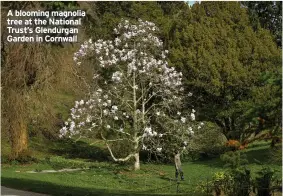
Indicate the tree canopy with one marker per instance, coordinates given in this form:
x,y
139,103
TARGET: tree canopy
x,y
223,59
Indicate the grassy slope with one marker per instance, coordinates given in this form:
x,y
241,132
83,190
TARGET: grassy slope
x,y
106,178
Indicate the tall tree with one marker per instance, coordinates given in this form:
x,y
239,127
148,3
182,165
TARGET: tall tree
x,y
22,65
136,92
223,59
29,74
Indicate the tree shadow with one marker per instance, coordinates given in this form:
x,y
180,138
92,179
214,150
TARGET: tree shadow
x,y
212,162
79,149
253,156
260,156
60,190
166,178
259,144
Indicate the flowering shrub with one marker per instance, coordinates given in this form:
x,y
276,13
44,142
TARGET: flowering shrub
x,y
137,93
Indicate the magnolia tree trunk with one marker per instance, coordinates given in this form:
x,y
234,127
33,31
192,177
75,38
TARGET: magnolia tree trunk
x,y
19,138
134,154
137,161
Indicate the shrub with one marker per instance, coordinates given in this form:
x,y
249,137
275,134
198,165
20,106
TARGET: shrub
x,y
234,160
242,182
207,142
263,182
276,154
23,158
204,187
219,179
238,180
235,182
121,149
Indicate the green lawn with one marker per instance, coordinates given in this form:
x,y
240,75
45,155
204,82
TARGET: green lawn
x,y
107,178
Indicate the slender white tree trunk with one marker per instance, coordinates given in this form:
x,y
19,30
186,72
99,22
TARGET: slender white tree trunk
x,y
136,155
137,161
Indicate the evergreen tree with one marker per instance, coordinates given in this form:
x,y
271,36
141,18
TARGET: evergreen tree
x,y
223,59
268,15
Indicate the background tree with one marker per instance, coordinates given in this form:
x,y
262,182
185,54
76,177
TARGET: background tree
x,y
268,15
223,59
33,77
135,90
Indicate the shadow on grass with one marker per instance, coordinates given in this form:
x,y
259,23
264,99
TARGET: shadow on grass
x,y
213,162
166,178
60,190
254,156
259,144
261,156
79,149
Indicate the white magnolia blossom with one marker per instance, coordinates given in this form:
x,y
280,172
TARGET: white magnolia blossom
x,y
114,108
88,119
105,112
116,76
148,132
144,147
63,131
183,119
191,132
193,117
158,149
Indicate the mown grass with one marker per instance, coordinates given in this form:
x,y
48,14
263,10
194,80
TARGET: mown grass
x,y
101,178
108,178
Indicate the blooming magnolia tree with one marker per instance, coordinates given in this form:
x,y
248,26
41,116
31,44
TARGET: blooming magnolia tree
x,y
137,96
